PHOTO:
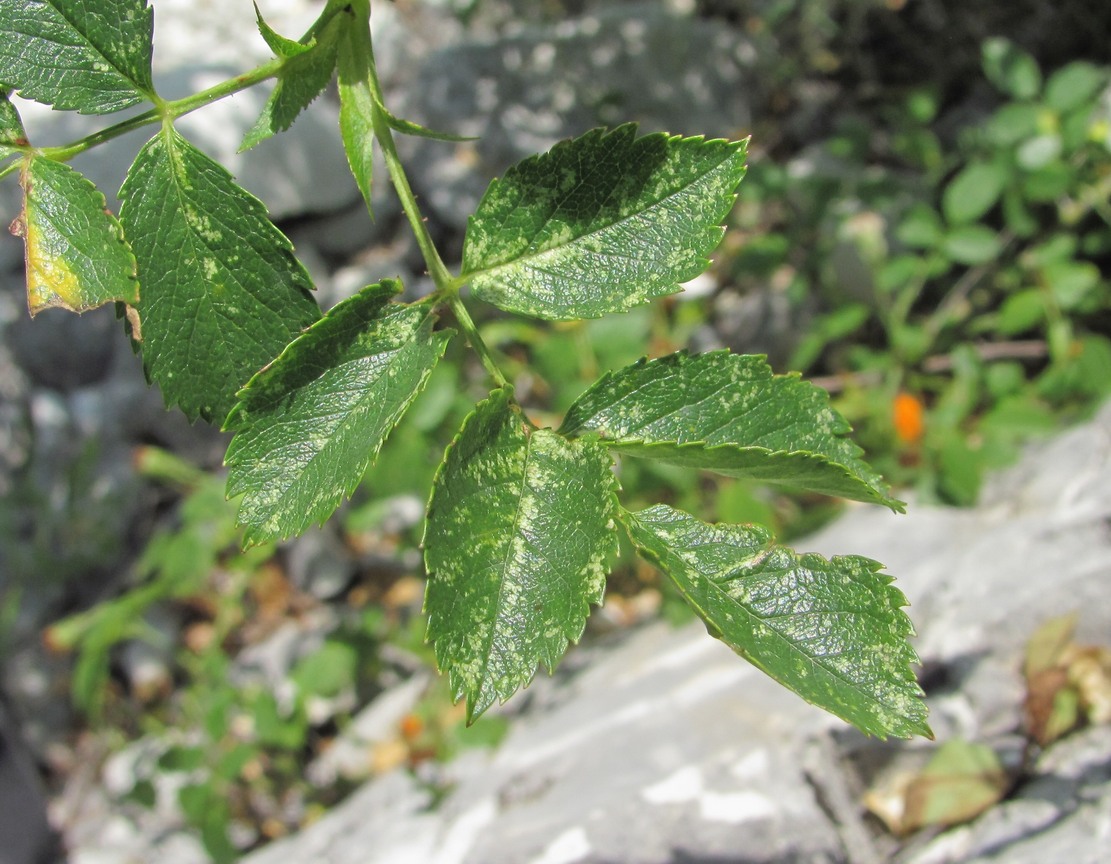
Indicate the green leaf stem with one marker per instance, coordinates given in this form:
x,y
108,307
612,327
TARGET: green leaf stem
x,y
601,223
77,55
520,526
223,293
728,413
76,255
833,631
309,425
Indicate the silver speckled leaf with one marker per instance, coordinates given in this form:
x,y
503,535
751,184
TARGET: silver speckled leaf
x,y
601,223
309,424
728,413
833,631
520,526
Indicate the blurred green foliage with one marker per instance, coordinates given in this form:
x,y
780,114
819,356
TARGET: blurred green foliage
x,y
966,283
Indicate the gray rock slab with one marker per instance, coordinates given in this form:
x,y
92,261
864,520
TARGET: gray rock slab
x,y
666,746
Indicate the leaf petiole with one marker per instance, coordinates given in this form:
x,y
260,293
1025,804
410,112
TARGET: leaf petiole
x,y
166,110
474,338
10,167
382,124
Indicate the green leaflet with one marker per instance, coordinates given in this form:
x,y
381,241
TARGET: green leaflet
x,y
223,292
833,631
12,135
601,223
356,105
309,424
76,255
520,525
279,44
303,76
408,127
92,57
973,192
728,413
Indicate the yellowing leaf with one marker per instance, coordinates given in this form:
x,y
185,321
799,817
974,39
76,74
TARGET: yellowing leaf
x,y
76,254
961,781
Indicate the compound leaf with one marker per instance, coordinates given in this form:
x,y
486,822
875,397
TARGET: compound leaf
x,y
224,292
308,426
728,413
76,255
833,631
520,524
303,77
94,58
601,223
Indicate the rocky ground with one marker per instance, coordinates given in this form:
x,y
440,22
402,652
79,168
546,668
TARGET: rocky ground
x,y
661,747
655,745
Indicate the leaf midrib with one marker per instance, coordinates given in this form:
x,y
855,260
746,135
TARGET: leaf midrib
x,y
527,258
523,488
752,616
344,422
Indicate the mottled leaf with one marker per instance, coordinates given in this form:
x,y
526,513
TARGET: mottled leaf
x,y
223,292
520,525
601,223
302,78
356,105
76,255
77,55
833,631
728,413
309,425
